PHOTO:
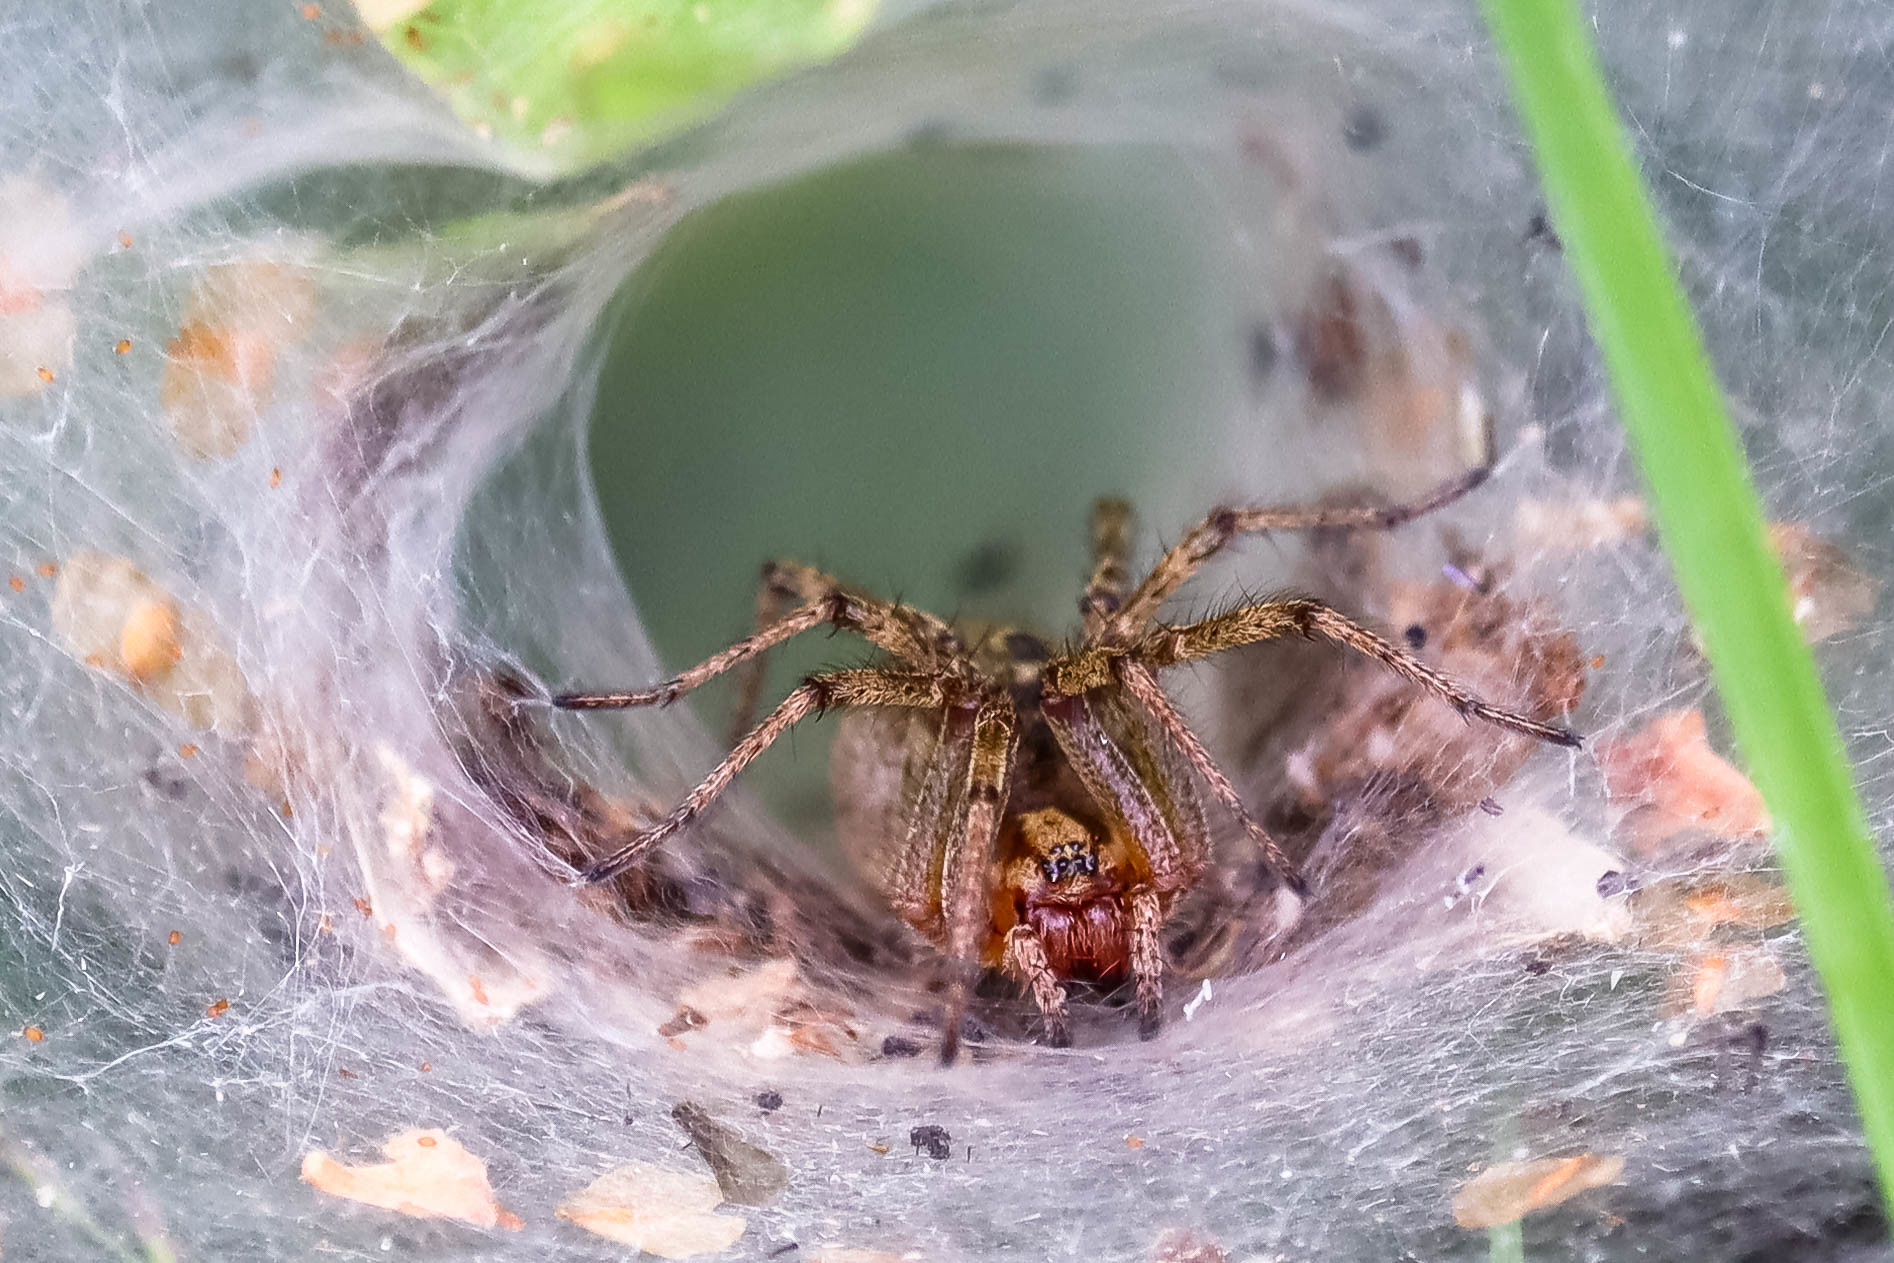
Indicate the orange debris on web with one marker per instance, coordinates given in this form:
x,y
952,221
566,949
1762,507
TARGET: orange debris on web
x,y
428,1175
1670,780
1508,1191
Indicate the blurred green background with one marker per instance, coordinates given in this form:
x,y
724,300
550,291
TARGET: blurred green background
x,y
916,371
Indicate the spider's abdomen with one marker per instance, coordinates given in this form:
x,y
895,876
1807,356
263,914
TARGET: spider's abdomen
x,y
1088,940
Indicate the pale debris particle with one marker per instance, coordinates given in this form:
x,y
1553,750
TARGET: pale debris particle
x,y
659,1211
1540,880
112,616
1508,1191
752,996
1668,781
1829,594
428,1175
379,15
1182,1245
747,1175
769,1005
220,368
409,875
1579,525
407,823
40,254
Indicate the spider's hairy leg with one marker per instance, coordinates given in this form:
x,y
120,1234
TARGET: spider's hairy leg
x,y
1147,960
1111,559
834,690
1025,959
964,868
1221,526
1301,616
913,638
1143,685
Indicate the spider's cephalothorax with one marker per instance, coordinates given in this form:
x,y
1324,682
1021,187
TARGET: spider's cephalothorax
x,y
1030,809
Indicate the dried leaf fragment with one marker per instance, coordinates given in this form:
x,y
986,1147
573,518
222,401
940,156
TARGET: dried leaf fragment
x,y
1508,1191
1829,594
428,1175
746,1175
659,1211
1670,780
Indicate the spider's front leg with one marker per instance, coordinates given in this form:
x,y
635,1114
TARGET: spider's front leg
x,y
1025,959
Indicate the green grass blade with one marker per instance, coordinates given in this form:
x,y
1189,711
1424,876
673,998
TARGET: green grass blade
x,y
1710,519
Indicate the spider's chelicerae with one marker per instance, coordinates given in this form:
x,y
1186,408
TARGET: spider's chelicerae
x,y
1036,809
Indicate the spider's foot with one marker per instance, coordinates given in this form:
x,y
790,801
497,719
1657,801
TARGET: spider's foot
x,y
1150,1022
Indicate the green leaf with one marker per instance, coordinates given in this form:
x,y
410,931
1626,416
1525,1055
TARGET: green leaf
x,y
580,80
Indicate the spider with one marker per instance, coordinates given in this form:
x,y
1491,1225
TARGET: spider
x,y
1037,810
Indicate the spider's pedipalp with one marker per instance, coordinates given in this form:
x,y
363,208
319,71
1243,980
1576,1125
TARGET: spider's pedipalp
x,y
1143,685
1025,959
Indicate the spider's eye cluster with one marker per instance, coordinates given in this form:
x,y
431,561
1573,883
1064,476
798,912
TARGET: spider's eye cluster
x,y
1070,860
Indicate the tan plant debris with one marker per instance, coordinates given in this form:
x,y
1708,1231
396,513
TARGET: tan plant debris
x,y
1578,525
220,367
654,1209
1828,593
1668,780
428,1175
111,616
1508,1191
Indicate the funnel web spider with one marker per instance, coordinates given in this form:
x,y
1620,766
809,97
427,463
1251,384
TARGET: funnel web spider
x,y
1036,810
